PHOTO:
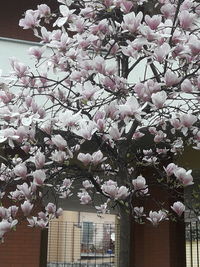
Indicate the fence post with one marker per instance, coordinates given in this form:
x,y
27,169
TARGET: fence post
x,y
43,247
117,241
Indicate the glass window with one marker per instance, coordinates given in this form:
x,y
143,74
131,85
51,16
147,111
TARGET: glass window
x,y
87,232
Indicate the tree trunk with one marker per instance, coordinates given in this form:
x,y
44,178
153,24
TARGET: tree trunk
x,y
125,218
124,242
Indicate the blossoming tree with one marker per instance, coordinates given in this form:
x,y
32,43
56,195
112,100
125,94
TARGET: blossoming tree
x,y
109,75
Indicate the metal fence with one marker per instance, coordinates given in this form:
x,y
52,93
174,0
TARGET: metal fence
x,y
193,244
84,244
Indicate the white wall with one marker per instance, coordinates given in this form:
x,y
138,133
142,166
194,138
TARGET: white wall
x,y
14,48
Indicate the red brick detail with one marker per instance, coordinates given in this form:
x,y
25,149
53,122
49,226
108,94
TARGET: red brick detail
x,y
21,248
12,12
161,246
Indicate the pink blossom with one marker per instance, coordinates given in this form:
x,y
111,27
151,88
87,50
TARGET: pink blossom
x,y
47,127
12,210
69,119
153,22
85,158
42,215
148,33
99,115
171,78
22,133
186,5
132,21
126,6
19,68
186,19
123,192
139,185
86,130
87,184
130,108
6,97
175,123
66,15
139,212
66,194
159,99
156,217
101,125
161,52
100,64
159,137
100,28
184,176
39,177
108,3
59,141
186,86
88,90
45,35
67,183
36,52
114,133
87,12
97,157
31,20
187,120
44,10
24,190
79,25
50,208
144,91
59,212
3,213
84,197
59,156
194,45
6,226
110,188
137,135
168,10
39,160
135,46
21,170
111,110
178,207
32,221
26,207
170,169
103,208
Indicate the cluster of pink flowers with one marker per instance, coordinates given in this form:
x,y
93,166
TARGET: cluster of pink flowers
x,y
111,189
107,78
183,176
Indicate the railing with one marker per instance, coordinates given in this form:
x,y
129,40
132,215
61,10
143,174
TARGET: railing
x,y
82,244
193,244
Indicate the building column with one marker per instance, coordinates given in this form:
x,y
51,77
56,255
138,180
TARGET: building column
x,y
158,246
161,246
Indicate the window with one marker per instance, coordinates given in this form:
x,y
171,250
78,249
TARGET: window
x,y
87,232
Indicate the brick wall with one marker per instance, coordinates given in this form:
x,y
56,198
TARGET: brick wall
x,y
12,12
25,247
162,246
21,248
